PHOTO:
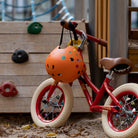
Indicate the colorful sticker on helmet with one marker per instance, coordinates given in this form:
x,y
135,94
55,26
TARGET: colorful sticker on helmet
x,y
63,57
62,52
72,59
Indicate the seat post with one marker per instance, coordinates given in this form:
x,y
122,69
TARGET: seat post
x,y
110,74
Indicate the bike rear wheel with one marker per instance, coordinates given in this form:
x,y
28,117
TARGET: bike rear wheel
x,y
123,123
55,112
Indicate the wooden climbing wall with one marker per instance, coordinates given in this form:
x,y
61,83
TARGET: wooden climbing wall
x,y
27,76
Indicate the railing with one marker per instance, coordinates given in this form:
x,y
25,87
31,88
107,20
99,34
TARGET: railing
x,y
102,27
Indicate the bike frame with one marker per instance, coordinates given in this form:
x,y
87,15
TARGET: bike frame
x,y
94,105
100,92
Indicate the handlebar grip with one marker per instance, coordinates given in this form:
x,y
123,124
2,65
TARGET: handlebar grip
x,y
68,25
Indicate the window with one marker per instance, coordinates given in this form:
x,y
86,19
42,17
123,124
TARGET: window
x,y
133,19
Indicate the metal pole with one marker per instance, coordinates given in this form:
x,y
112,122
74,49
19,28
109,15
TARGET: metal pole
x,y
119,31
96,72
13,9
33,9
3,10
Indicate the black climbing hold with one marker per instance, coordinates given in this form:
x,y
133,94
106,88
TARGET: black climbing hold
x,y
20,56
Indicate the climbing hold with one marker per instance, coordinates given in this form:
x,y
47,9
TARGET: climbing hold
x,y
19,56
34,28
8,89
74,43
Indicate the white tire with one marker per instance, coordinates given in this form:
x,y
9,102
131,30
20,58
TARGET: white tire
x,y
63,114
110,119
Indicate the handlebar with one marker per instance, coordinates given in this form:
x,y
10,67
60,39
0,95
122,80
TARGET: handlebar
x,y
69,25
72,25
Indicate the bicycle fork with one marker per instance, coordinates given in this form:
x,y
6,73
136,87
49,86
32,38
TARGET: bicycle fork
x,y
52,88
51,91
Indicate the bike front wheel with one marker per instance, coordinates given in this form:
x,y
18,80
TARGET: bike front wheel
x,y
55,112
124,123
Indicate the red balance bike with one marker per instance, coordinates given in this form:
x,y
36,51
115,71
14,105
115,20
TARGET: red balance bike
x,y
53,99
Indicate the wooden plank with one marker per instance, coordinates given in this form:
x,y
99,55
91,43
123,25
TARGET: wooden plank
x,y
22,105
133,44
85,54
108,24
14,105
35,58
51,27
23,80
133,9
27,91
78,92
104,19
23,69
99,33
104,26
26,69
133,34
31,43
30,80
80,105
133,56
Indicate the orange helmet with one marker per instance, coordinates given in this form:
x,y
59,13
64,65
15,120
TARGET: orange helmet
x,y
65,65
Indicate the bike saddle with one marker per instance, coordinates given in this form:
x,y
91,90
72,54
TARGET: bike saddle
x,y
118,65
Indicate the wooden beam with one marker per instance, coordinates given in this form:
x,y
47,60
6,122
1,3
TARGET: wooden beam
x,y
133,9
22,105
133,34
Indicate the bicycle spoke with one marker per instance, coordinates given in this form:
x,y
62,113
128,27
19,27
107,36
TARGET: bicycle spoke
x,y
126,116
122,122
52,108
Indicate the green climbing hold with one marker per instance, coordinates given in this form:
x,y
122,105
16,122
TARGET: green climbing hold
x,y
34,28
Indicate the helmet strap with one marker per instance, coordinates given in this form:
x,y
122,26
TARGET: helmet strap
x,y
62,33
71,38
61,38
